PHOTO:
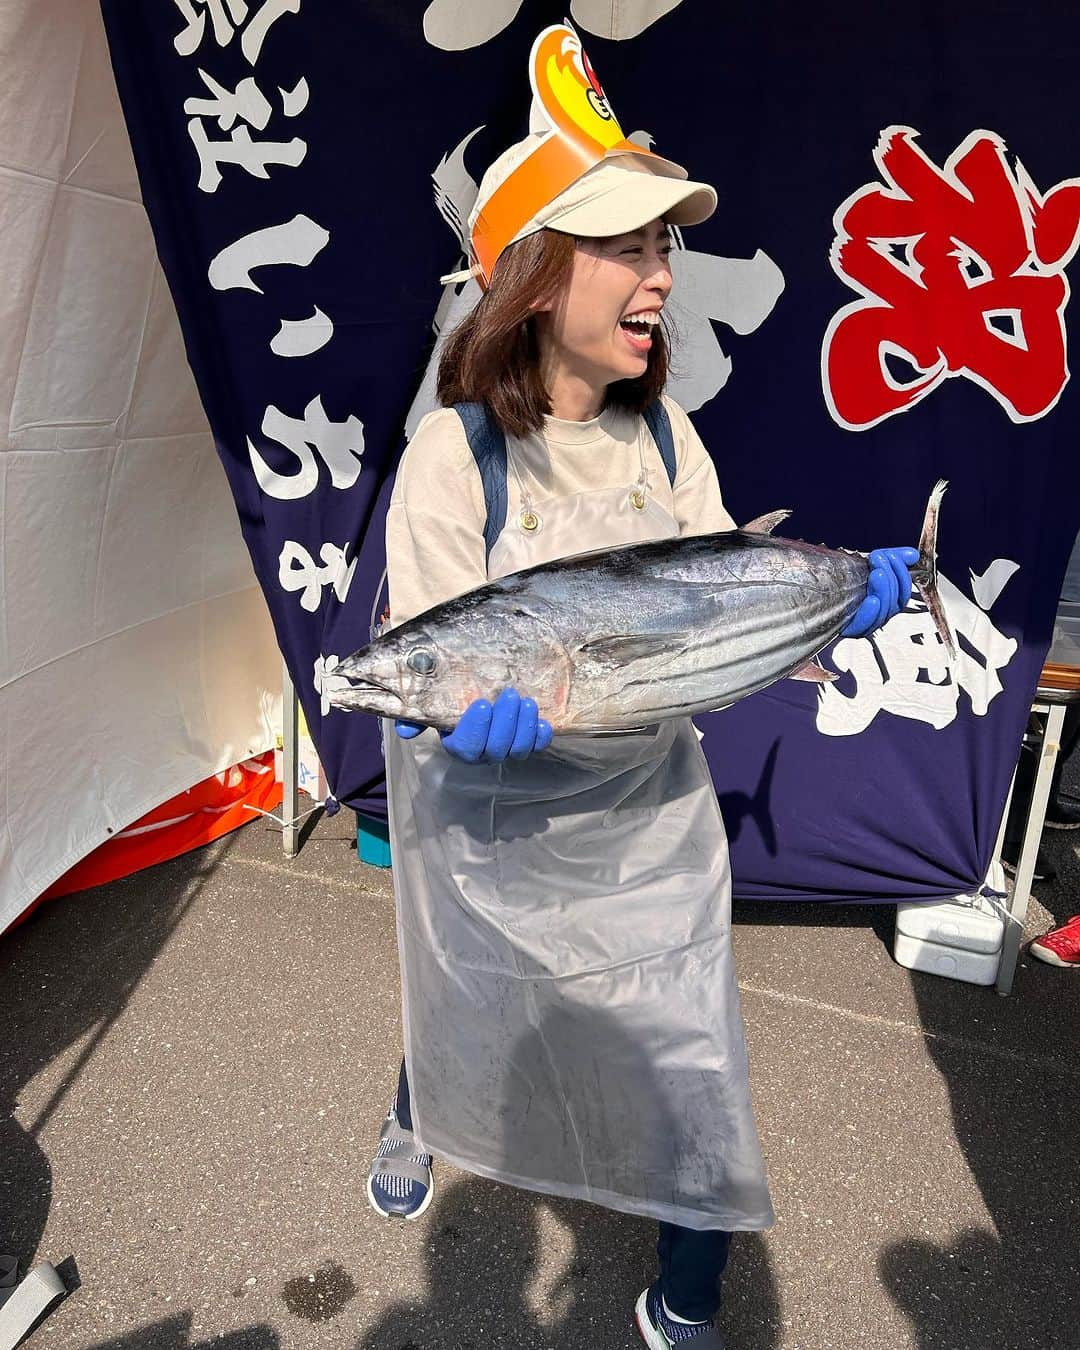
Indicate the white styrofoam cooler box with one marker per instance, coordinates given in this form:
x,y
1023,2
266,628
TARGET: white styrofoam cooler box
x,y
952,962
960,938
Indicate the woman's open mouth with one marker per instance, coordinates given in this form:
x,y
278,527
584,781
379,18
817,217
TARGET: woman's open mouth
x,y
637,328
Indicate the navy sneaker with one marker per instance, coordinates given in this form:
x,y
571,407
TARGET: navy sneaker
x,y
659,1332
400,1184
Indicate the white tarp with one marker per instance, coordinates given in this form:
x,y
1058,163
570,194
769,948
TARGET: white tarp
x,y
136,653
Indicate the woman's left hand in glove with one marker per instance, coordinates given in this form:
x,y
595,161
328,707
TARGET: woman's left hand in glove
x,y
509,728
888,589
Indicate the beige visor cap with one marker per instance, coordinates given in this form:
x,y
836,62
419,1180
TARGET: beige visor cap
x,y
621,193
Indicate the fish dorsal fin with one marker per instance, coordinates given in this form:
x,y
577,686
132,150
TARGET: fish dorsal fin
x,y
624,647
764,524
815,673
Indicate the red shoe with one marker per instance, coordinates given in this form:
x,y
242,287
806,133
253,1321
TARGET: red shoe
x,y
1061,947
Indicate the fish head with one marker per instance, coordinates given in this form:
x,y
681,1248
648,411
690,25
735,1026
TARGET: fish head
x,y
431,673
407,673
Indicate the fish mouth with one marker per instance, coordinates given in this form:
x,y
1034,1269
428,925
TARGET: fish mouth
x,y
366,692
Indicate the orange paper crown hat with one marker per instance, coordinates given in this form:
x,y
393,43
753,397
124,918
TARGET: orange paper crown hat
x,y
577,131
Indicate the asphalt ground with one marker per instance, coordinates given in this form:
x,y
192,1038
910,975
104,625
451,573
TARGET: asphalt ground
x,y
194,1063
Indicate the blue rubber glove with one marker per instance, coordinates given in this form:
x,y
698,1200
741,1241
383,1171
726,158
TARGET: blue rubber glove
x,y
888,589
509,728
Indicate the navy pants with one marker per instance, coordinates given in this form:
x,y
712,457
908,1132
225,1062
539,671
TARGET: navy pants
x,y
691,1262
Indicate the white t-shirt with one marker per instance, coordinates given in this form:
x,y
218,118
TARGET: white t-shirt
x,y
435,523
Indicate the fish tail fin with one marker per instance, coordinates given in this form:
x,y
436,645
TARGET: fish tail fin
x,y
924,573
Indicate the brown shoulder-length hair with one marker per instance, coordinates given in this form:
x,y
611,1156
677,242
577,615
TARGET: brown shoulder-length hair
x,y
493,355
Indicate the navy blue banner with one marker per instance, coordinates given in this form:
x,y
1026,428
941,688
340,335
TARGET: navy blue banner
x,y
881,300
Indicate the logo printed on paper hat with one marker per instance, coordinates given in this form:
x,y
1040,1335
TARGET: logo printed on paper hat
x,y
578,129
568,95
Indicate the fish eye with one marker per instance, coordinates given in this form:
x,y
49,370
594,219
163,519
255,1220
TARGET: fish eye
x,y
421,660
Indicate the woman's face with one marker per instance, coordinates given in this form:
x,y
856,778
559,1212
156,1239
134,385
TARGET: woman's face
x,y
601,329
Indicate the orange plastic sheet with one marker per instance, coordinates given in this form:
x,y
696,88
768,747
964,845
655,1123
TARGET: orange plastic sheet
x,y
190,819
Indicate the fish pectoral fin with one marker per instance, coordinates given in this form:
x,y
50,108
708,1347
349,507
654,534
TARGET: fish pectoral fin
x,y
622,648
764,524
815,673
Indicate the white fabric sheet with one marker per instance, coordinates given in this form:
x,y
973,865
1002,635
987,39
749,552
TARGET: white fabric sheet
x,y
136,653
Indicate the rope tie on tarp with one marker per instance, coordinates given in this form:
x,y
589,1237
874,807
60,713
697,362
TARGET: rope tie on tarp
x,y
996,900
331,806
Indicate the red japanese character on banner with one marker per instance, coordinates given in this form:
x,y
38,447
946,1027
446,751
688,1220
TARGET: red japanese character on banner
x,y
962,270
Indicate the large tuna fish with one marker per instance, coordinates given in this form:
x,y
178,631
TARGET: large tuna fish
x,y
621,638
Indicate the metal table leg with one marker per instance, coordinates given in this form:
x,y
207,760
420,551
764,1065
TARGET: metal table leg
x,y
290,757
1029,849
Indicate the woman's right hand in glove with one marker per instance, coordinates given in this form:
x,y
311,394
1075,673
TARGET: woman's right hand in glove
x,y
509,728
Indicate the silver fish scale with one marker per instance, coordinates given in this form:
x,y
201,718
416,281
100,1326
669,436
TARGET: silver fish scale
x,y
677,627
712,624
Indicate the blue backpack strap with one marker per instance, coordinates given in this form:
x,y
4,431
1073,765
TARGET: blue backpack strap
x,y
488,445
659,424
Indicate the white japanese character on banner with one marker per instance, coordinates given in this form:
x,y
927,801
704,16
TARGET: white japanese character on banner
x,y
904,669
455,26
226,18
301,337
225,15
246,101
254,35
297,242
326,682
338,444
254,156
708,289
298,571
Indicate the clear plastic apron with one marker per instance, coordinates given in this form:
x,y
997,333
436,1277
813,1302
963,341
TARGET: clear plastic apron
x,y
571,1016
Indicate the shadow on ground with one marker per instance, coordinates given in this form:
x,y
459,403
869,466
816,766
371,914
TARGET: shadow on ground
x,y
1013,1079
1016,1115
1013,1286
880,919
488,1286
64,986
174,1333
